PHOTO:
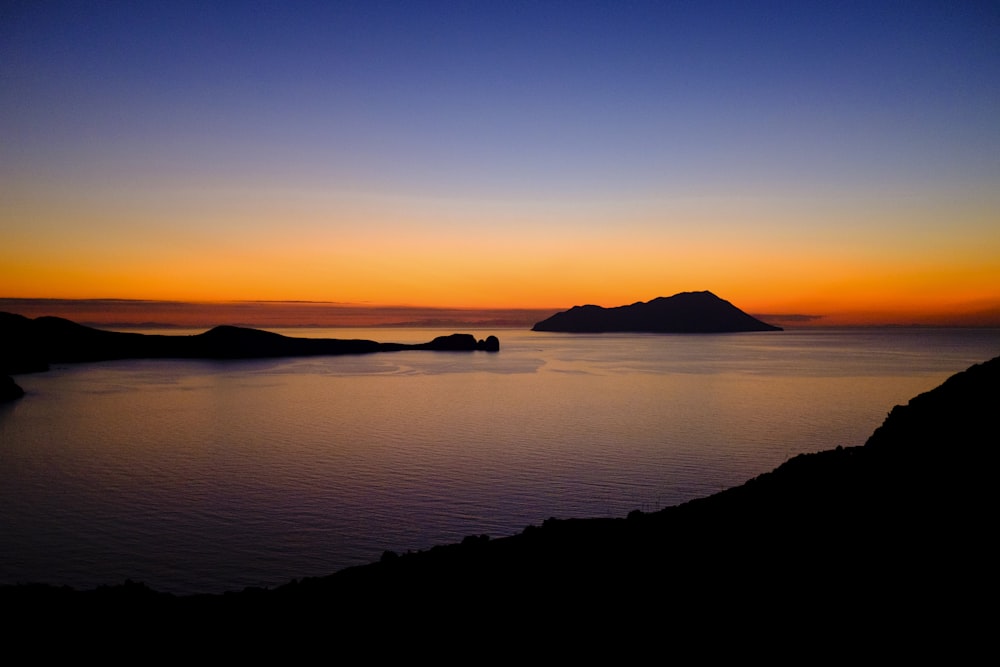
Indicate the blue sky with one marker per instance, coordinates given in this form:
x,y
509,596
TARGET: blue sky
x,y
537,98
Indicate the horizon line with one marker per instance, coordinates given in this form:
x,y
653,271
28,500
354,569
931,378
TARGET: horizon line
x,y
305,313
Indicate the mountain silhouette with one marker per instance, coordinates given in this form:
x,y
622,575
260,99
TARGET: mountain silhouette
x,y
687,312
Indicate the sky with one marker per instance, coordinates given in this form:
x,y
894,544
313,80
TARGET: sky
x,y
838,160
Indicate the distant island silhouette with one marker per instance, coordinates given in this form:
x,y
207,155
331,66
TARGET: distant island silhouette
x,y
30,345
687,312
888,544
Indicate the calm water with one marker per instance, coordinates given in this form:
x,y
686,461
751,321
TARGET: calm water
x,y
209,476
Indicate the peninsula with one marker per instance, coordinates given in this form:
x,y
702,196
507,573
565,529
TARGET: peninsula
x,y
32,344
687,312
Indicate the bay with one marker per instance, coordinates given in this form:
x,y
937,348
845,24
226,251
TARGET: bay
x,y
204,476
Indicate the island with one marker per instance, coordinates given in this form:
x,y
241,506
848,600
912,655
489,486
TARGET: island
x,y
687,312
30,345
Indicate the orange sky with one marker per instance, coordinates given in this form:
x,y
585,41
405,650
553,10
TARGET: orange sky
x,y
860,264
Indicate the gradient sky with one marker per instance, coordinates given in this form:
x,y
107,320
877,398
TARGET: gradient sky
x,y
836,159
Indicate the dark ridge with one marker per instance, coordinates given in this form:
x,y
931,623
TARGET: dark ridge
x,y
28,345
886,546
687,312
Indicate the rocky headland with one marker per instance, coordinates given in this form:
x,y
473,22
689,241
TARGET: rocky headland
x,y
30,345
687,312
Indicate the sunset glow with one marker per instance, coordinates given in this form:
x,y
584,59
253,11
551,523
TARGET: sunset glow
x,y
804,163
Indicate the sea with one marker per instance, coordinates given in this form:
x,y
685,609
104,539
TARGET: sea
x,y
196,476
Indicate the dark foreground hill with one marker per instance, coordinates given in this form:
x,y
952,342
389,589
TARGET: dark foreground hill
x,y
28,345
687,312
887,546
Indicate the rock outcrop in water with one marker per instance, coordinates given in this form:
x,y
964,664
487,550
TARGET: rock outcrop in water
x,y
9,390
887,547
31,345
687,312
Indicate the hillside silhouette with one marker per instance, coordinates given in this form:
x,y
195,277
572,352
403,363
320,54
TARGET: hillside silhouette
x,y
857,546
687,312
